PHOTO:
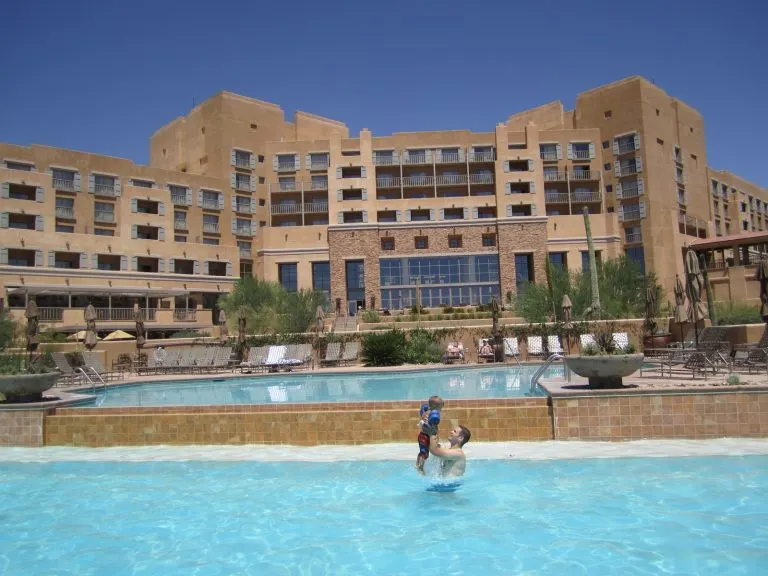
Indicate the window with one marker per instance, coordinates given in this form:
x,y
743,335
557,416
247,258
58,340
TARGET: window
x,y
318,161
142,183
243,226
521,210
104,184
609,188
261,156
607,167
22,192
580,151
104,212
659,141
523,272
387,243
743,206
420,215
548,151
286,162
242,181
262,202
353,217
319,182
658,112
350,152
353,194
453,214
286,274
210,200
486,212
242,204
242,159
607,114
103,232
211,241
355,278
180,239
637,255
606,144
386,216
680,196
611,209
585,260
518,165
745,226
261,180
351,172
454,241
558,260
63,179
244,248
489,240
516,146
321,278
210,223
64,207
23,166
421,242
65,229
633,234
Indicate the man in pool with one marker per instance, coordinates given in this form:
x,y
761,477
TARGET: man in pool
x,y
453,460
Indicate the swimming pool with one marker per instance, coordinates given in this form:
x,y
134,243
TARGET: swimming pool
x,y
503,382
630,516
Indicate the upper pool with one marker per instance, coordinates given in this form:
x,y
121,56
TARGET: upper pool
x,y
501,382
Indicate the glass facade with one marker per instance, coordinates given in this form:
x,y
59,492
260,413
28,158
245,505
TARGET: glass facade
x,y
523,272
321,279
558,260
355,274
444,280
287,276
585,260
637,255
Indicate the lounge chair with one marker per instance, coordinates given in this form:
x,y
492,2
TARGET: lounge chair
x,y
297,355
221,358
69,375
93,366
171,362
752,355
204,358
332,354
554,345
187,360
275,358
454,351
257,356
621,340
351,350
535,346
487,356
511,347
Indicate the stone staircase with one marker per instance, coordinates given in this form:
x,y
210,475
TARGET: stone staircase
x,y
345,324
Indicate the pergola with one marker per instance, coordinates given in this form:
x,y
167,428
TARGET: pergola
x,y
729,251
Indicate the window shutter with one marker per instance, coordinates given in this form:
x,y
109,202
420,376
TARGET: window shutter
x,y
534,210
398,215
429,155
338,172
438,155
118,187
134,263
406,156
530,165
509,210
506,166
307,161
274,162
205,267
591,150
161,265
637,141
40,194
232,179
171,265
253,205
442,213
365,194
365,215
123,262
199,197
78,184
232,158
363,172
196,268
642,208
51,259
408,215
94,261
39,223
507,188
617,168
638,164
134,231
3,219
296,162
254,227
461,154
339,195
233,203
161,233
134,205
83,260
221,201
570,151
640,186
161,208
6,190
559,148
229,268
3,255
39,258
252,161
432,214
189,196
340,217
252,183
91,184
615,146
233,226
532,187
620,212
474,213
395,157
618,191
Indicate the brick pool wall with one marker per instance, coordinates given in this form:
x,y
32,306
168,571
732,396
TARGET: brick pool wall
x,y
21,428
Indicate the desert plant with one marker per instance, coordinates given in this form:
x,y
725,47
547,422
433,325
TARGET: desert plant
x,y
7,330
14,364
371,316
733,379
734,312
385,349
423,347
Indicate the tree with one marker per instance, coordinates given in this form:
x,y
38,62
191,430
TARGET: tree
x,y
7,330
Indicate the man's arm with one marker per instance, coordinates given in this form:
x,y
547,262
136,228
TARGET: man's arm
x,y
445,453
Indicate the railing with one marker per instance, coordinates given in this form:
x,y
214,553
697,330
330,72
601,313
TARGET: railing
x,y
717,265
243,185
584,175
209,204
629,191
243,230
481,156
632,238
65,184
286,208
104,189
50,314
556,197
104,216
245,253
581,154
319,184
124,314
180,225
631,214
65,212
286,187
243,207
586,197
449,158
555,176
543,368
210,227
451,179
628,169
385,160
687,221
548,155
481,178
416,159
181,315
319,164
627,147
316,208
179,199
388,182
242,162
418,181
286,166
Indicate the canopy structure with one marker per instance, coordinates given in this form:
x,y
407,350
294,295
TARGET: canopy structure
x,y
118,335
79,336
93,290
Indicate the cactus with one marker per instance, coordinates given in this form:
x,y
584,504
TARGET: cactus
x,y
595,308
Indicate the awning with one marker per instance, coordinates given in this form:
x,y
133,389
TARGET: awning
x,y
747,238
127,325
80,290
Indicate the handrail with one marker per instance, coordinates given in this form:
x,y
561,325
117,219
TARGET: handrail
x,y
541,369
93,384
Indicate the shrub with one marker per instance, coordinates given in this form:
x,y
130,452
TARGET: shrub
x,y
733,380
385,349
423,347
737,313
7,330
188,334
371,316
448,309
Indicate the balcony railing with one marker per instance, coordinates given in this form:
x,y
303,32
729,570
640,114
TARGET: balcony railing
x,y
385,160
481,156
586,197
631,214
629,191
627,147
50,314
581,154
65,212
286,166
209,204
243,230
246,253
319,164
243,207
286,187
180,225
628,169
316,208
179,199
415,159
555,176
584,175
241,162
481,178
64,184
104,216
449,158
451,179
319,184
680,179
388,182
633,238
298,208
243,185
211,227
418,181
124,314
286,208
548,155
181,315
104,189
556,197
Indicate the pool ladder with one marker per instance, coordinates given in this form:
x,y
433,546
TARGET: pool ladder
x,y
90,380
541,369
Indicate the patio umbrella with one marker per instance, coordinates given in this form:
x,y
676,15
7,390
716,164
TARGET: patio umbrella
x,y
141,333
33,326
90,327
762,277
498,345
681,314
223,329
79,336
242,324
117,335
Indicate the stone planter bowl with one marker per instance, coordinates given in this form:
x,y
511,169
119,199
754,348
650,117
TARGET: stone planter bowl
x,y
27,387
605,371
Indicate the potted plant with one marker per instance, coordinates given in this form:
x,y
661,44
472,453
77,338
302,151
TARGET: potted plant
x,y
603,363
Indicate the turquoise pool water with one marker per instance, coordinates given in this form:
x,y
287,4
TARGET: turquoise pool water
x,y
566,517
504,382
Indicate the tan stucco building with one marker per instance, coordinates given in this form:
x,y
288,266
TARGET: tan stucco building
x,y
234,188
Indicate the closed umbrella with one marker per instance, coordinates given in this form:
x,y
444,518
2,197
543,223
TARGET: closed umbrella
x,y
320,318
33,326
567,325
762,277
223,329
242,324
695,282
90,327
681,314
498,346
141,334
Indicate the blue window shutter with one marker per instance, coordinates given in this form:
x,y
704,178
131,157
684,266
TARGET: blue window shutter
x,y
339,195
570,151
229,268
617,168
3,255
123,262
134,263
640,186
39,223
619,194
40,194
233,226
340,217
221,201
509,210
363,172
6,192
253,205
254,227
296,162
3,219
161,234
189,197
233,203
232,157
39,258
134,231
161,208
338,173
134,205
365,194
83,260
78,183
196,269
274,162
591,150
118,187
637,141
161,265
507,188
399,215
559,149
638,164
252,183
51,259
252,161
205,267
232,179
95,261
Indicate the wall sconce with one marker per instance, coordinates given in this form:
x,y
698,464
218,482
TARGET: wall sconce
x,y
22,242
67,245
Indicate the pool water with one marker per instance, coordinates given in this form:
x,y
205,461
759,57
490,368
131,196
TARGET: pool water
x,y
504,382
702,515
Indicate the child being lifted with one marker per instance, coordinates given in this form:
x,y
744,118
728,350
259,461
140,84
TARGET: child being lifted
x,y
428,423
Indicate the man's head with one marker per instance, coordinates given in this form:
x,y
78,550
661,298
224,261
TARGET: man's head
x,y
460,435
435,403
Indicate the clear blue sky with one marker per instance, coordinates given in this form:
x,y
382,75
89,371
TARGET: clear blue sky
x,y
102,76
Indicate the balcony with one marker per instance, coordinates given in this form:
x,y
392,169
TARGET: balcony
x,y
481,156
211,227
246,253
180,225
481,178
105,189
65,213
286,166
631,214
580,154
316,208
410,181
124,314
64,184
243,185
104,216
417,159
286,187
633,238
298,208
556,197
548,155
555,176
628,169
586,196
286,208
582,175
179,199
243,207
243,230
449,158
243,162
630,190
319,184
388,182
627,147
451,180
385,160
209,204
181,315
50,314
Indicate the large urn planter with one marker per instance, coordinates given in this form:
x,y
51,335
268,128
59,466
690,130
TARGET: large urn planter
x,y
18,388
605,371
657,341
